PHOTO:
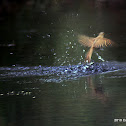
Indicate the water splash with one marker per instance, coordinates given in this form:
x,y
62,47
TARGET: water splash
x,y
60,73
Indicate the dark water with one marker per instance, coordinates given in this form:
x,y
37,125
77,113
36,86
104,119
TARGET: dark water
x,y
43,81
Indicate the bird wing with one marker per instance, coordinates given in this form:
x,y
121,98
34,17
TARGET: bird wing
x,y
85,40
103,42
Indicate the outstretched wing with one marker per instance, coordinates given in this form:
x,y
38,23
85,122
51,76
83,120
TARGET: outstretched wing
x,y
96,42
102,42
85,40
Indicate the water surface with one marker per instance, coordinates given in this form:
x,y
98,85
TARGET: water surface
x,y
43,80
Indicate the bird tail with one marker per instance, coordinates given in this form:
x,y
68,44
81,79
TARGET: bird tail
x,y
88,55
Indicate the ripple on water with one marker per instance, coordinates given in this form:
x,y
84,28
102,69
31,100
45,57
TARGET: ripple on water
x,y
60,73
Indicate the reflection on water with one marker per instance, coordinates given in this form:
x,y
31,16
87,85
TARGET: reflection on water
x,y
43,80
92,100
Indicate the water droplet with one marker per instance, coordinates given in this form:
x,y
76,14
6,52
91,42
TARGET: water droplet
x,y
83,50
69,42
43,36
34,97
48,35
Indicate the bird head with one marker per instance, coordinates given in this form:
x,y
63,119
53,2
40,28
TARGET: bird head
x,y
101,34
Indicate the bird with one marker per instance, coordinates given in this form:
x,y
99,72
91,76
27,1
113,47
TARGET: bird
x,y
92,42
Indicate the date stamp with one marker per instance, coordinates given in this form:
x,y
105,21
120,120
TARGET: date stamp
x,y
119,120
